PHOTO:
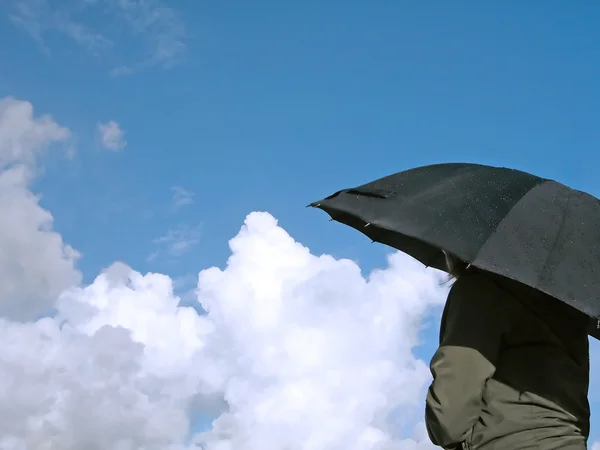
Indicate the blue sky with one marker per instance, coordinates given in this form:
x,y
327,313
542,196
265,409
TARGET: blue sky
x,y
270,105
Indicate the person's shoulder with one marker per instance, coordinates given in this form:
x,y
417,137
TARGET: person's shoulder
x,y
475,281
478,290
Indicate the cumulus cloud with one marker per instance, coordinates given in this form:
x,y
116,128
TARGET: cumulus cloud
x,y
291,350
35,263
111,135
23,136
295,351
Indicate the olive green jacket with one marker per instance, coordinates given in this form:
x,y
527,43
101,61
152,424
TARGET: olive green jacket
x,y
511,371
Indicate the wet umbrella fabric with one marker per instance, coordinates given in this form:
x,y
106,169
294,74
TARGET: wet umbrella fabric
x,y
511,223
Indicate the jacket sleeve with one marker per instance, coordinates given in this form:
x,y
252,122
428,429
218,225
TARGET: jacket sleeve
x,y
472,329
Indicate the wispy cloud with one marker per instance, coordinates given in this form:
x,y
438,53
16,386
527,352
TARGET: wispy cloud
x,y
152,256
102,27
161,28
177,241
181,197
112,135
38,18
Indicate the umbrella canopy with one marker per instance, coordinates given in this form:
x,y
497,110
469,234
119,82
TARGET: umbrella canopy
x,y
508,222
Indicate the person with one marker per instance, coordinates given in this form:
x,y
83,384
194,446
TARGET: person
x,y
511,370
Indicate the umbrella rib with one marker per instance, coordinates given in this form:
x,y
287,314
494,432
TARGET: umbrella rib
x,y
453,177
426,232
560,230
504,219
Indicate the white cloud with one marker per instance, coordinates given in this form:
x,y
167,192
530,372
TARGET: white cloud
x,y
111,135
595,446
23,136
296,351
181,197
103,27
35,264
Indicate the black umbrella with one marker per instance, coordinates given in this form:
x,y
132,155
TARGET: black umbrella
x,y
511,223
